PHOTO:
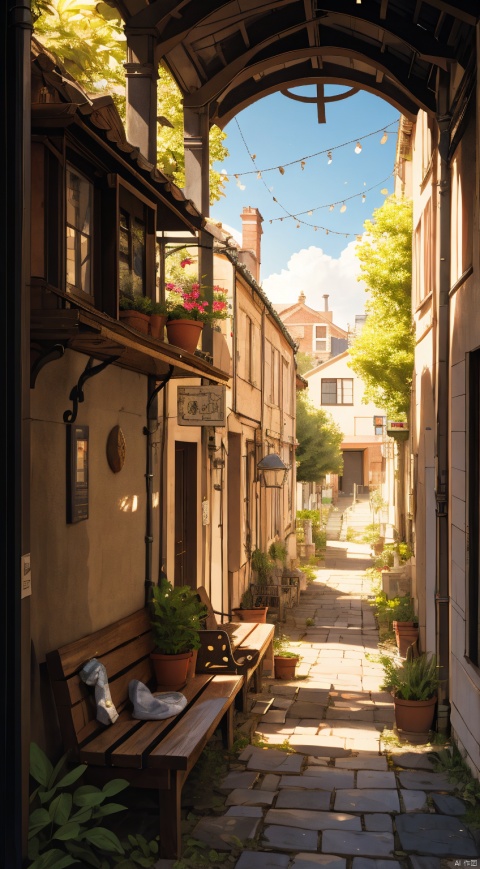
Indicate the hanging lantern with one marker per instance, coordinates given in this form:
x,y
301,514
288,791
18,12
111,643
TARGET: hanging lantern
x,y
272,471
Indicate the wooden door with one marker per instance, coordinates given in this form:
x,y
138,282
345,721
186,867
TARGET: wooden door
x,y
185,572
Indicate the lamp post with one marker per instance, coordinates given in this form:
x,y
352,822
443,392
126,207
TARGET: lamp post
x,y
272,471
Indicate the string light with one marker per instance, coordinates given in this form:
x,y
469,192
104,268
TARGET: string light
x,y
343,208
384,137
327,151
384,191
363,197
302,165
358,148
281,170
331,206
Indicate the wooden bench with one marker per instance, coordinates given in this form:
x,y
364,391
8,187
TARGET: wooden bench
x,y
149,754
235,647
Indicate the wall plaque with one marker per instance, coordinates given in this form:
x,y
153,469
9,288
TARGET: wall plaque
x,y
201,405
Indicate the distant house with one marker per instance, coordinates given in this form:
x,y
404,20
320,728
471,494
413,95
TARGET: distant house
x,y
334,387
314,331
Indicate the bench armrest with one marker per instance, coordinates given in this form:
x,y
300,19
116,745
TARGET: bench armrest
x,y
215,655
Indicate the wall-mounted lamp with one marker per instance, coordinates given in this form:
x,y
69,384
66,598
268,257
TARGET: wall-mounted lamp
x,y
218,466
273,472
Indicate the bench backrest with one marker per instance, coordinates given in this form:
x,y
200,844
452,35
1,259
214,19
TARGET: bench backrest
x,y
211,623
124,649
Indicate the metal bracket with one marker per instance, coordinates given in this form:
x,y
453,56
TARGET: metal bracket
x,y
76,395
43,358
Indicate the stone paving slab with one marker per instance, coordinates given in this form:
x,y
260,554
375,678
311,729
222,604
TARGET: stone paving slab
x,y
325,746
270,782
281,703
367,778
448,805
366,863
374,762
351,843
311,820
301,799
413,801
436,835
250,797
245,811
274,760
378,823
290,838
265,860
354,800
425,862
331,778
426,781
309,861
412,760
222,833
302,709
275,716
238,779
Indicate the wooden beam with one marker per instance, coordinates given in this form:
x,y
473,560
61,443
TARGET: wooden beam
x,y
383,9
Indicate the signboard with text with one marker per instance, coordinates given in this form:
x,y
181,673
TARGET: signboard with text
x,y
201,405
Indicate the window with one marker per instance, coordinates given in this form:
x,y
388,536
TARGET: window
x,y
338,391
132,244
320,339
275,375
79,231
473,509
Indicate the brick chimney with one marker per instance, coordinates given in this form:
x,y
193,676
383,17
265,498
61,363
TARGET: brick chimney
x,y
249,253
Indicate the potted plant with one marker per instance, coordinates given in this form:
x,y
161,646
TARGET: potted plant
x,y
158,318
414,684
284,660
135,311
405,623
176,619
249,610
188,309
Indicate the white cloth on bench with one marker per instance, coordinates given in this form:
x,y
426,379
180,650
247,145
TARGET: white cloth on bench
x,y
152,707
94,673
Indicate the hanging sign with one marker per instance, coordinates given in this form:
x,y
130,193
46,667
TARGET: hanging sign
x,y
201,405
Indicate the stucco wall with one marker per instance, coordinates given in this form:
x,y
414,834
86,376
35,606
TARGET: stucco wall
x,y
88,574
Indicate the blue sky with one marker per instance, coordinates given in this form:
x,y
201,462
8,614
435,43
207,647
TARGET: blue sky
x,y
277,131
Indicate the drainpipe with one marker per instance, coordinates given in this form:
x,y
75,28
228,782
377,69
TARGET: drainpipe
x,y
149,431
442,599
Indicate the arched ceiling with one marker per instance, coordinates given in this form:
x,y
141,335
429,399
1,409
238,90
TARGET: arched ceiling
x,y
226,54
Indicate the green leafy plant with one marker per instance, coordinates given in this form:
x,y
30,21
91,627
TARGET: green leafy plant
x,y
399,609
280,647
159,308
277,551
457,770
262,565
246,600
415,679
176,618
133,302
65,824
370,533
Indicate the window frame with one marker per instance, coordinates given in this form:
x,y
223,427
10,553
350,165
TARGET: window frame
x,y
74,289
339,381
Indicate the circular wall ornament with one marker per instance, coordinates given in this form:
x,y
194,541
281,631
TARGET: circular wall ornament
x,y
116,449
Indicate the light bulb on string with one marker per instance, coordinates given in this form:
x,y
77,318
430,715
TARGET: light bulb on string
x,y
302,164
281,170
310,213
329,156
384,191
298,226
240,185
343,208
384,138
259,174
358,148
363,197
332,208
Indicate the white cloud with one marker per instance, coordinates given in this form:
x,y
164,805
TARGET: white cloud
x,y
314,272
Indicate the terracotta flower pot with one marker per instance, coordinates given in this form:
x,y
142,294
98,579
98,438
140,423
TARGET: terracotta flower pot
x,y
406,633
284,668
257,614
171,671
136,320
415,716
157,325
184,334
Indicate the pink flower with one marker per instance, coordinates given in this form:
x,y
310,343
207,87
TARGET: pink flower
x,y
186,262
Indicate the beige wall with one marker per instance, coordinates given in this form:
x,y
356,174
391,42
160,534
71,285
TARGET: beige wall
x,y
87,574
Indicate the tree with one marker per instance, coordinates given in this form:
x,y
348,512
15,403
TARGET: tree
x,y
382,354
88,39
319,439
305,362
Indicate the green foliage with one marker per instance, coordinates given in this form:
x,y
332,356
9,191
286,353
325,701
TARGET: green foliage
x,y
277,551
262,565
352,535
319,535
382,354
66,823
89,40
399,609
457,770
281,647
176,618
319,439
135,303
305,362
370,533
415,679
377,502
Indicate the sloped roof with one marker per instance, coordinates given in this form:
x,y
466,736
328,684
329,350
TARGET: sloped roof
x,y
56,95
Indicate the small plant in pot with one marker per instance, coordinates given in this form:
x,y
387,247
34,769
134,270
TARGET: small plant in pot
x,y
176,618
284,660
135,311
414,684
248,611
158,318
405,623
